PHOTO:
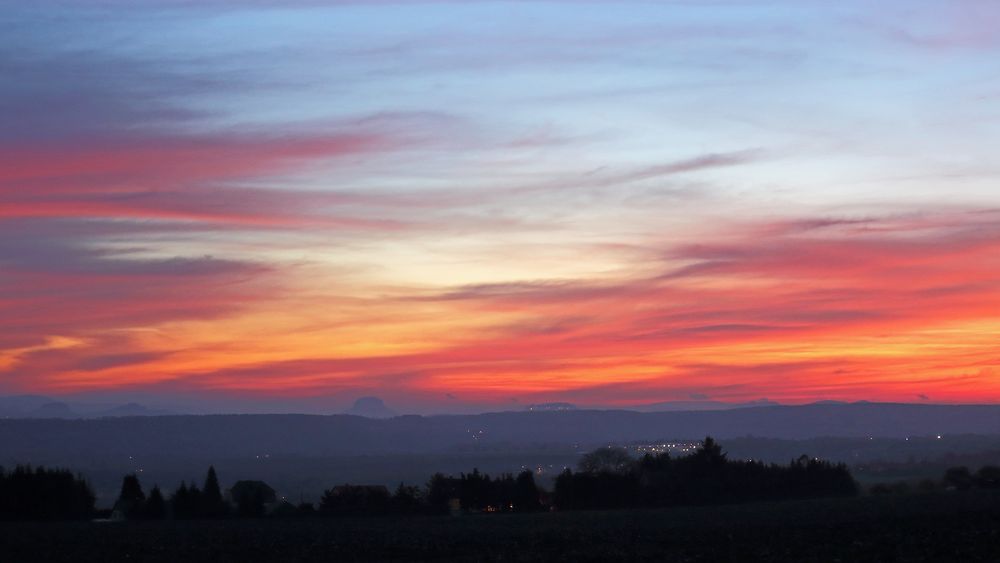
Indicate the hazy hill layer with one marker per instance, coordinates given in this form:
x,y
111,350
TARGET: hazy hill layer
x,y
240,435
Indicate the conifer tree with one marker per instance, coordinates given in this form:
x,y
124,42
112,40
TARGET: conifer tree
x,y
212,505
131,500
131,489
156,507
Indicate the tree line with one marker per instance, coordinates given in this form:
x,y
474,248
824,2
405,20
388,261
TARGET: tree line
x,y
610,478
478,492
469,492
955,479
187,502
607,478
38,493
960,478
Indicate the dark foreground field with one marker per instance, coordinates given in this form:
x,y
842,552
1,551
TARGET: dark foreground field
x,y
931,527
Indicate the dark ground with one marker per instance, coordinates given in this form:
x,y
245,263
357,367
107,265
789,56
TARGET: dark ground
x,y
947,526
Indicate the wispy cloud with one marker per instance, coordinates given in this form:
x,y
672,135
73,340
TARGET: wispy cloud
x,y
609,202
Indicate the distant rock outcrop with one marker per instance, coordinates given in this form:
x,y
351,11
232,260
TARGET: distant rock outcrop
x,y
20,406
53,410
371,407
130,409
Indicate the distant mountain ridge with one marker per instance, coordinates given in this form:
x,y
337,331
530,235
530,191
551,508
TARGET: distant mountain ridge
x,y
249,435
702,405
540,407
38,406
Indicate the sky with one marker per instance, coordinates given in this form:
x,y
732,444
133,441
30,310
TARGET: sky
x,y
457,206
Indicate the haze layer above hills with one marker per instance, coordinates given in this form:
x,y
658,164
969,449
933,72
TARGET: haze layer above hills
x,y
238,435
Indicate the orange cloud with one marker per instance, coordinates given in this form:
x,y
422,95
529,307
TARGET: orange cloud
x,y
837,310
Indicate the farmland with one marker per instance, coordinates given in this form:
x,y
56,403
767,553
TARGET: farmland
x,y
941,526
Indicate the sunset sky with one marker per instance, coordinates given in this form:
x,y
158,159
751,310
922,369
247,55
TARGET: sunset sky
x,y
468,205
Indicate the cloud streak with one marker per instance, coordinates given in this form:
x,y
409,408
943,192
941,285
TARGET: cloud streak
x,y
873,314
554,201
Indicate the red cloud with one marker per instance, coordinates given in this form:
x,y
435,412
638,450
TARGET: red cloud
x,y
829,311
167,162
186,179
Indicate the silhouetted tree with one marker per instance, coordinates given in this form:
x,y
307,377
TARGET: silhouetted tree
x,y
131,500
194,496
186,502
656,477
179,501
710,454
44,494
406,500
704,477
526,493
474,490
477,491
212,504
131,489
606,460
595,490
156,506
440,491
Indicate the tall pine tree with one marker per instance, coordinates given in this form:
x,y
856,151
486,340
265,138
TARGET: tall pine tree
x,y
131,500
212,504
